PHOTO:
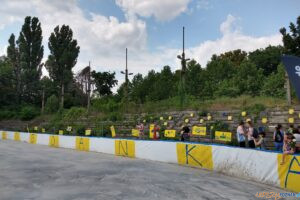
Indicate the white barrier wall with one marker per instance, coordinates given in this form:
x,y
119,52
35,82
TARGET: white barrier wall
x,y
262,166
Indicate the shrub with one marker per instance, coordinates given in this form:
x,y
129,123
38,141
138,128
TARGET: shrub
x,y
28,113
52,104
7,114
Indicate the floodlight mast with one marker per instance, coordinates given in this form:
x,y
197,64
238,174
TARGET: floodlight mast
x,y
126,78
183,70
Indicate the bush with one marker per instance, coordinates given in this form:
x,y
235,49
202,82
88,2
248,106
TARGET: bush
x,y
74,113
28,113
52,104
7,114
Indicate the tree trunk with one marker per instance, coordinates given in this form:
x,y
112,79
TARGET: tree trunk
x,y
43,101
62,96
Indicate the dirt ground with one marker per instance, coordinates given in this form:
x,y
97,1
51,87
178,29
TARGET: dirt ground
x,y
38,172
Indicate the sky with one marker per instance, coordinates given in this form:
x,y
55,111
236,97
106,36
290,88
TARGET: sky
x,y
152,29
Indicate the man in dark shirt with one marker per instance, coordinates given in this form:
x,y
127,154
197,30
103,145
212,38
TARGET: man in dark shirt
x,y
185,133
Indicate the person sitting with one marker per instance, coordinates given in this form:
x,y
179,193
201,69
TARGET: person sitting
x,y
185,133
260,141
288,147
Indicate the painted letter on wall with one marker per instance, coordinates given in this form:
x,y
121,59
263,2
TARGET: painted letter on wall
x,y
195,155
125,148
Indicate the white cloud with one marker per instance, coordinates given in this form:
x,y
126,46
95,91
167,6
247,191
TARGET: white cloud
x,y
163,10
232,38
98,37
103,39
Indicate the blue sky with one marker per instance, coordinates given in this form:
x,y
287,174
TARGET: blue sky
x,y
151,29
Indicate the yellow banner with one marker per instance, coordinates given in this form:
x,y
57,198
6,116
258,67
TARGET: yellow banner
x,y
17,136
54,141
82,143
151,127
223,136
170,133
135,132
289,172
113,131
196,155
32,138
88,132
199,130
125,148
60,132
4,135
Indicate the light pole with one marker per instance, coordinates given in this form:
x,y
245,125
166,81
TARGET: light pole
x,y
182,74
126,80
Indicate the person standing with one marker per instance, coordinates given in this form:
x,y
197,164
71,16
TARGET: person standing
x,y
250,135
140,127
240,134
185,133
278,137
156,132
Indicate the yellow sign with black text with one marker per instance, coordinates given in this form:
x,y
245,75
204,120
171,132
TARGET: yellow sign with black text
x,y
32,138
82,143
196,155
4,135
54,141
125,148
223,136
199,130
113,131
16,136
170,133
135,132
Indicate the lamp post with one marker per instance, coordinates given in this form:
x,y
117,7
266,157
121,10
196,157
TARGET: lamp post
x,y
182,74
126,80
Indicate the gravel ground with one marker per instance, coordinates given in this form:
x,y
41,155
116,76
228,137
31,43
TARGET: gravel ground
x,y
42,173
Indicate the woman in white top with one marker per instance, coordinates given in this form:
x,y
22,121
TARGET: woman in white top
x,y
250,135
240,134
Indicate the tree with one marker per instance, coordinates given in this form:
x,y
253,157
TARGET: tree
x,y
274,84
31,54
194,79
267,59
13,56
6,90
291,41
104,82
249,79
63,57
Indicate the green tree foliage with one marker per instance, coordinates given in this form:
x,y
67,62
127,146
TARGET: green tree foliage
x,y
104,82
6,82
249,79
52,104
13,56
291,41
63,57
195,77
274,84
267,59
31,53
